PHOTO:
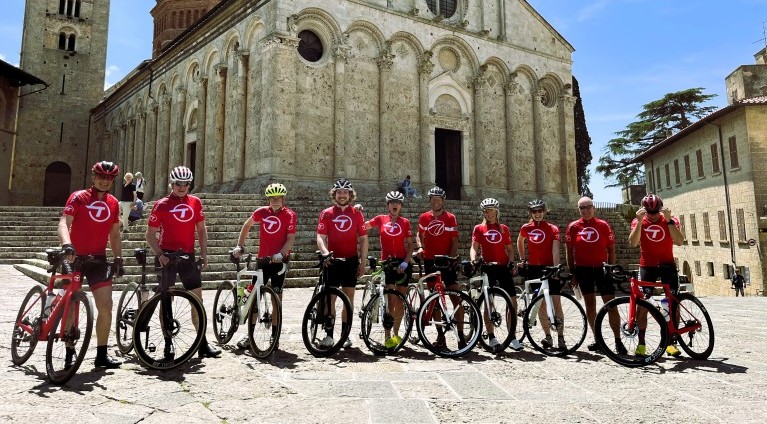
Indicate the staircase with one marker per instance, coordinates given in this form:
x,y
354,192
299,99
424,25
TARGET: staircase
x,y
25,233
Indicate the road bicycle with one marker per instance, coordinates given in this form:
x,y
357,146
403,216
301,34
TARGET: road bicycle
x,y
416,293
327,321
496,305
170,325
132,298
255,303
448,321
63,318
554,323
686,321
386,317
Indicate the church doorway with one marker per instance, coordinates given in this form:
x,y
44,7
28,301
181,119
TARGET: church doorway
x,y
58,177
447,158
192,159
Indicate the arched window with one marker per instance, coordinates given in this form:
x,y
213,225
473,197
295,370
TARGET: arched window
x,y
62,6
71,43
62,41
77,8
70,7
189,18
446,8
173,20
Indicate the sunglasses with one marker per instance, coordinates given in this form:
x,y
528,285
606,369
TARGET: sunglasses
x,y
653,212
584,207
537,211
105,177
181,183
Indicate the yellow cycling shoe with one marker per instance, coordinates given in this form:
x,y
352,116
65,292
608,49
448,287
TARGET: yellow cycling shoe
x,y
393,341
640,350
671,350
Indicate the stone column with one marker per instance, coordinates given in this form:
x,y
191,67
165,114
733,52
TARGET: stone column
x,y
220,123
138,161
150,143
123,152
480,85
425,68
161,147
130,160
341,55
201,177
385,61
234,148
279,96
513,138
540,181
176,137
502,20
569,176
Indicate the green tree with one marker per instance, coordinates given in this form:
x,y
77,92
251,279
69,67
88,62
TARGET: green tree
x,y
582,142
658,119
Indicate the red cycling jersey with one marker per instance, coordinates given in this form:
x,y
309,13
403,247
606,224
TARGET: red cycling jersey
x,y
437,233
93,220
540,237
342,227
177,218
589,240
655,242
493,239
274,229
393,235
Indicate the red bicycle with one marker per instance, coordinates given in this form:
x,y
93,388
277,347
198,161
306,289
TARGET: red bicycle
x,y
646,327
64,318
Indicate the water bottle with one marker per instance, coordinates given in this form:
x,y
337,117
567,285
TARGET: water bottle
x,y
48,305
248,289
578,292
664,309
240,292
145,294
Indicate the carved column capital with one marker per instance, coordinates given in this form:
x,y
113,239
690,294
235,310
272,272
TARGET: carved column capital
x,y
342,53
425,65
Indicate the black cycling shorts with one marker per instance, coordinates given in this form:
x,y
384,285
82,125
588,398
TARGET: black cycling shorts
x,y
500,275
343,273
536,271
392,274
592,278
449,275
96,273
665,272
271,271
187,270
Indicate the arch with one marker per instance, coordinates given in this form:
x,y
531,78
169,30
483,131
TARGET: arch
x,y
211,59
369,28
190,117
58,178
192,72
447,84
499,64
320,22
408,38
231,45
252,33
463,48
526,72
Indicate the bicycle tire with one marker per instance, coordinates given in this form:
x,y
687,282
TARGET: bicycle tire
x,y
656,334
453,331
316,323
414,299
127,309
501,306
23,343
264,333
374,326
574,325
226,313
78,337
692,311
148,334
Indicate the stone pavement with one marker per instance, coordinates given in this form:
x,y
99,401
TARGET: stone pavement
x,y
414,387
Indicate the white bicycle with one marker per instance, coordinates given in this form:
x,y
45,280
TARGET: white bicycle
x,y
496,305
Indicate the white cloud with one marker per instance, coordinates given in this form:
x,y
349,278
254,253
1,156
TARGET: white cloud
x,y
111,70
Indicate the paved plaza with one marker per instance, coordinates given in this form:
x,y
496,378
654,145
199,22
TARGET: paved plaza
x,y
413,387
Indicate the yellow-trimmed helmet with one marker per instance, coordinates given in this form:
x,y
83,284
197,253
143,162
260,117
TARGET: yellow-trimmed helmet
x,y
275,190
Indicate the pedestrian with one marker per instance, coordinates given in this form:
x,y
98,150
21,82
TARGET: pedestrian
x,y
136,213
140,185
407,189
738,282
127,199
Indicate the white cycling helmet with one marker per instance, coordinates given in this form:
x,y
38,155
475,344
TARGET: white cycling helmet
x,y
181,174
489,203
394,196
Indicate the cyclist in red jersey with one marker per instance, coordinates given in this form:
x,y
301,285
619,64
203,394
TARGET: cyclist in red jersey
x,y
543,247
492,240
91,218
656,232
589,244
438,235
396,247
276,235
341,230
178,218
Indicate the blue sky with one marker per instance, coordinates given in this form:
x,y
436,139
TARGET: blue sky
x,y
628,52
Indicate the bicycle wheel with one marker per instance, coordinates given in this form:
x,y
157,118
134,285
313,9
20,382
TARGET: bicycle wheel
x,y
164,345
226,313
656,333
386,327
127,308
414,300
322,327
68,339
450,329
571,325
699,343
30,314
265,323
500,315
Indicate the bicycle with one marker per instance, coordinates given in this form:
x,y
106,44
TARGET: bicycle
x,y
564,317
498,309
416,293
383,311
322,313
172,318
687,323
41,317
132,298
257,304
439,319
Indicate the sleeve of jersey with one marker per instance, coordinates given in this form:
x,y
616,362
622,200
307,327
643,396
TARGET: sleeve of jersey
x,y
361,230
72,205
421,228
375,222
555,232
476,234
115,206
256,215
506,236
569,236
634,223
154,217
322,228
610,234
407,228
454,225
676,223
523,231
293,220
200,212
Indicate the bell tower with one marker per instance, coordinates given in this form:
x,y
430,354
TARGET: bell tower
x,y
172,17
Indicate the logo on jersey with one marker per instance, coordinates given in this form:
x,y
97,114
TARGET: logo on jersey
x,y
493,236
98,211
182,213
343,223
436,228
392,228
271,224
655,232
589,235
69,208
536,236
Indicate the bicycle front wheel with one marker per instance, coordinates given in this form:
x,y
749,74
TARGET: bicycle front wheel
x,y
567,332
386,325
68,339
697,343
501,316
265,323
414,300
30,316
127,308
323,328
226,317
166,339
450,330
648,329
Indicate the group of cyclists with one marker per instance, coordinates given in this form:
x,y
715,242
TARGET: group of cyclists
x,y
91,220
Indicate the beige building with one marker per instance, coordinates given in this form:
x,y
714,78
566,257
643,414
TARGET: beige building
x,y
713,176
472,95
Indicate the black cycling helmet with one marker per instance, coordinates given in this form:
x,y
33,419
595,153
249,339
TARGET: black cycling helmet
x,y
437,192
536,204
342,184
106,168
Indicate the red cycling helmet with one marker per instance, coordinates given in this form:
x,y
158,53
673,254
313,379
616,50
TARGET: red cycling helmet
x,y
652,203
106,168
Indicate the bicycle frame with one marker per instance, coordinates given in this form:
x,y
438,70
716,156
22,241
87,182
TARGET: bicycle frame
x,y
673,303
544,289
247,301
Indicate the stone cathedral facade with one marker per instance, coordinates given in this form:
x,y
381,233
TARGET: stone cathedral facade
x,y
472,95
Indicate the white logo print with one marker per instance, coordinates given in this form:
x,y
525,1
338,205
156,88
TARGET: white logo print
x,y
589,235
271,224
392,229
537,236
655,232
436,228
98,211
493,236
343,223
183,213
